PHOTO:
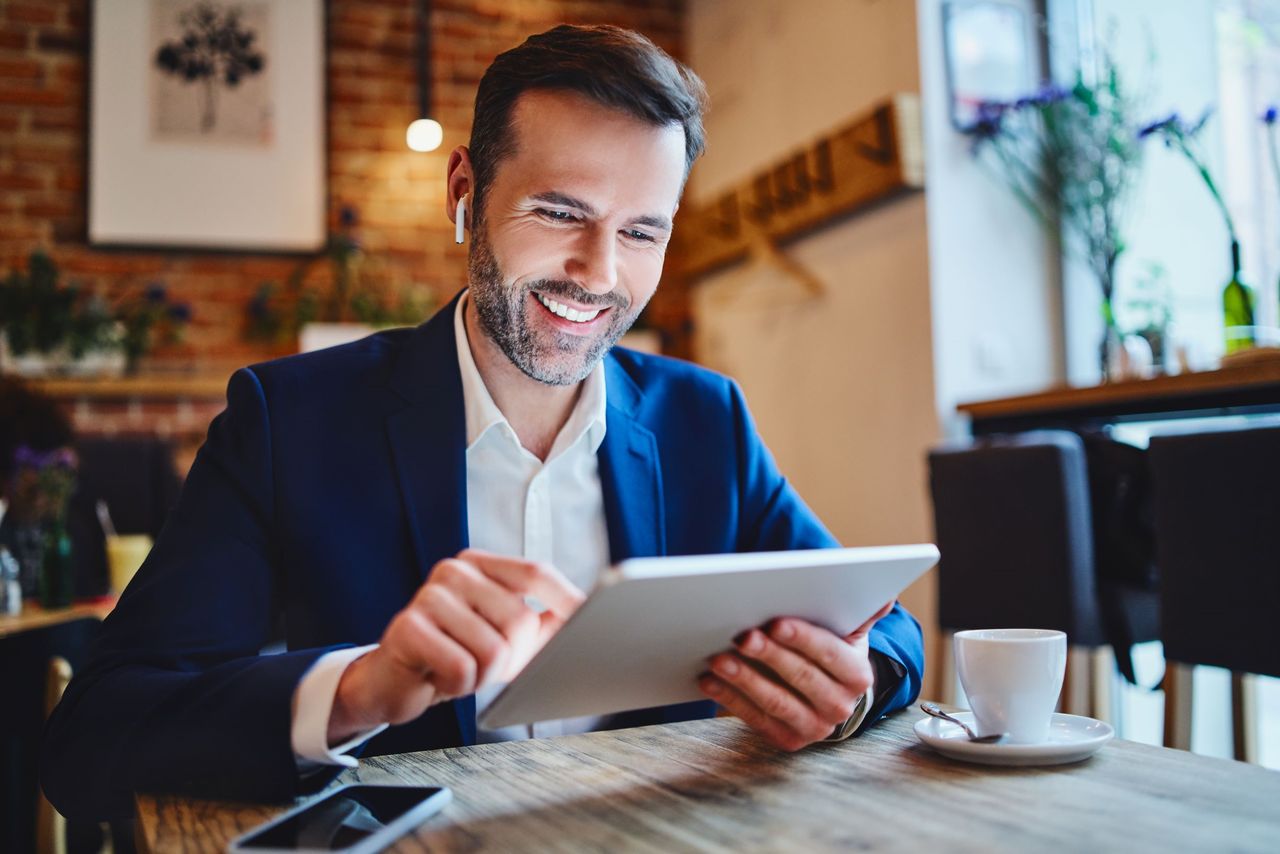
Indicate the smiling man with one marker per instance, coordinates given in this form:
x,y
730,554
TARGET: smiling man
x,y
396,503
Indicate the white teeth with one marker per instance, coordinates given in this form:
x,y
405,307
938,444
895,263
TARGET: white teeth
x,y
566,312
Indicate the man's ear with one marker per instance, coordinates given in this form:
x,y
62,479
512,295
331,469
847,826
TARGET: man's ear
x,y
459,181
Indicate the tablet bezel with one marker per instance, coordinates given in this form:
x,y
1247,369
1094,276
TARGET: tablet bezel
x,y
660,618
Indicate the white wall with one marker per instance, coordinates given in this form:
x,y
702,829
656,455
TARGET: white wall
x,y
841,384
930,300
996,303
1171,60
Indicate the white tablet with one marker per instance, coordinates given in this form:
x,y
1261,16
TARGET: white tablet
x,y
645,633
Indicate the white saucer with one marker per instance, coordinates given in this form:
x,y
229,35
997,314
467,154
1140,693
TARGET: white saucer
x,y
1072,738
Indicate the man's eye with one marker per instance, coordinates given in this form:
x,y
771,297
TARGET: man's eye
x,y
556,216
639,235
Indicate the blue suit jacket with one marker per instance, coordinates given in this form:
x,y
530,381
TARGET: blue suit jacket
x,y
324,494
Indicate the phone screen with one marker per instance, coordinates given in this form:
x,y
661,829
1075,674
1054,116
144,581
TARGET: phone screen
x,y
343,819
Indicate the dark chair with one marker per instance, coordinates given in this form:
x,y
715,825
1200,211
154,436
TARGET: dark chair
x,y
1217,512
137,479
1014,524
24,661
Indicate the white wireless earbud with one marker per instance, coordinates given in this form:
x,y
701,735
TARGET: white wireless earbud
x,y
460,220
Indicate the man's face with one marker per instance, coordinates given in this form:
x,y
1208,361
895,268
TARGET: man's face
x,y
569,246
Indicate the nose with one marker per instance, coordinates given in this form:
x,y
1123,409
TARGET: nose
x,y
593,263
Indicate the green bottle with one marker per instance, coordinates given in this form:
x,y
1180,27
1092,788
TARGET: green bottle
x,y
1237,307
57,571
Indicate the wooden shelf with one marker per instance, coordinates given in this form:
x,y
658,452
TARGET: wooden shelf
x,y
1246,386
35,617
144,387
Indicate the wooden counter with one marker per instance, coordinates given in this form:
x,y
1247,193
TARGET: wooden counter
x,y
35,617
141,387
1243,389
713,786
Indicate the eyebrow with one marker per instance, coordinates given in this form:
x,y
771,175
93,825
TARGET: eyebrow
x,y
553,198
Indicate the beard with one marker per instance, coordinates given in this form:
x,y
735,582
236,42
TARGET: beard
x,y
546,355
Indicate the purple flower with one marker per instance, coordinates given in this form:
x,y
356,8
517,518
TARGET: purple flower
x,y
1173,125
988,121
27,457
1270,116
348,216
1159,126
1049,94
155,293
180,312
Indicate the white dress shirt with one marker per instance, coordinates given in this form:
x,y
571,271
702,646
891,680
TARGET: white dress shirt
x,y
550,511
510,511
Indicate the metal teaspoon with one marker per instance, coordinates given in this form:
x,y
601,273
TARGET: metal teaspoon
x,y
931,709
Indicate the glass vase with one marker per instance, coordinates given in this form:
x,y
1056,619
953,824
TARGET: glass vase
x,y
1110,349
28,548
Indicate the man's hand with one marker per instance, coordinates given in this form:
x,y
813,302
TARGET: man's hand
x,y
794,683
467,626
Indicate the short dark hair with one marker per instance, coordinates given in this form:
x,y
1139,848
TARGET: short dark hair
x,y
615,67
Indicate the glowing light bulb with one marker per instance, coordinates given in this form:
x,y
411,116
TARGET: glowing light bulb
x,y
424,135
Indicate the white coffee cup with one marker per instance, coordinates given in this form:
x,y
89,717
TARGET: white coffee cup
x,y
1012,678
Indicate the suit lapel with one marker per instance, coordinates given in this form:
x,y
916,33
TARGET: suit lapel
x,y
630,473
429,447
428,442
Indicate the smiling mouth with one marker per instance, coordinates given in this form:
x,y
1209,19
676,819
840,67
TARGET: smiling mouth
x,y
571,314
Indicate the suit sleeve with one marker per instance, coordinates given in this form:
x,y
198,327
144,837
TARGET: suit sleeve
x,y
175,697
774,517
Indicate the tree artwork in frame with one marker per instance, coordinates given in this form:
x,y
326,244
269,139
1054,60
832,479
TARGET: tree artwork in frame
x,y
207,125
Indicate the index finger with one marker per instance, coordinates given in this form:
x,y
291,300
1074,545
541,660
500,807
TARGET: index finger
x,y
528,578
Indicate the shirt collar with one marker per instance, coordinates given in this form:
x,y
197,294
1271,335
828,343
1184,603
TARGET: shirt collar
x,y
482,414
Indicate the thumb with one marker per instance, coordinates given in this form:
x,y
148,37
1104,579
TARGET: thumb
x,y
548,624
521,655
863,629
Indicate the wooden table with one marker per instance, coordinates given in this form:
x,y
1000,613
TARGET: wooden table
x,y
1242,389
33,616
713,786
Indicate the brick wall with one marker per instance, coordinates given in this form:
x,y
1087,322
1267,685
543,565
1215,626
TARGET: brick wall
x,y
372,98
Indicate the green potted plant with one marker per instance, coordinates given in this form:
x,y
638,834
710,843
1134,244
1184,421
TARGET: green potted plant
x,y
47,328
1237,297
1070,156
1148,313
348,298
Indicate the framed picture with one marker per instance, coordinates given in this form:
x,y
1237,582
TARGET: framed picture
x,y
207,124
990,48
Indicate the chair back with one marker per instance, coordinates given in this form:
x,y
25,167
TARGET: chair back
x,y
137,479
1217,520
24,661
1013,524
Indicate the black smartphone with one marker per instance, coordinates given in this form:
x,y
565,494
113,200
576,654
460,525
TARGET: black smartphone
x,y
354,818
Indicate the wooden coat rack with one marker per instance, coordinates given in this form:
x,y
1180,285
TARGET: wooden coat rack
x,y
876,156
